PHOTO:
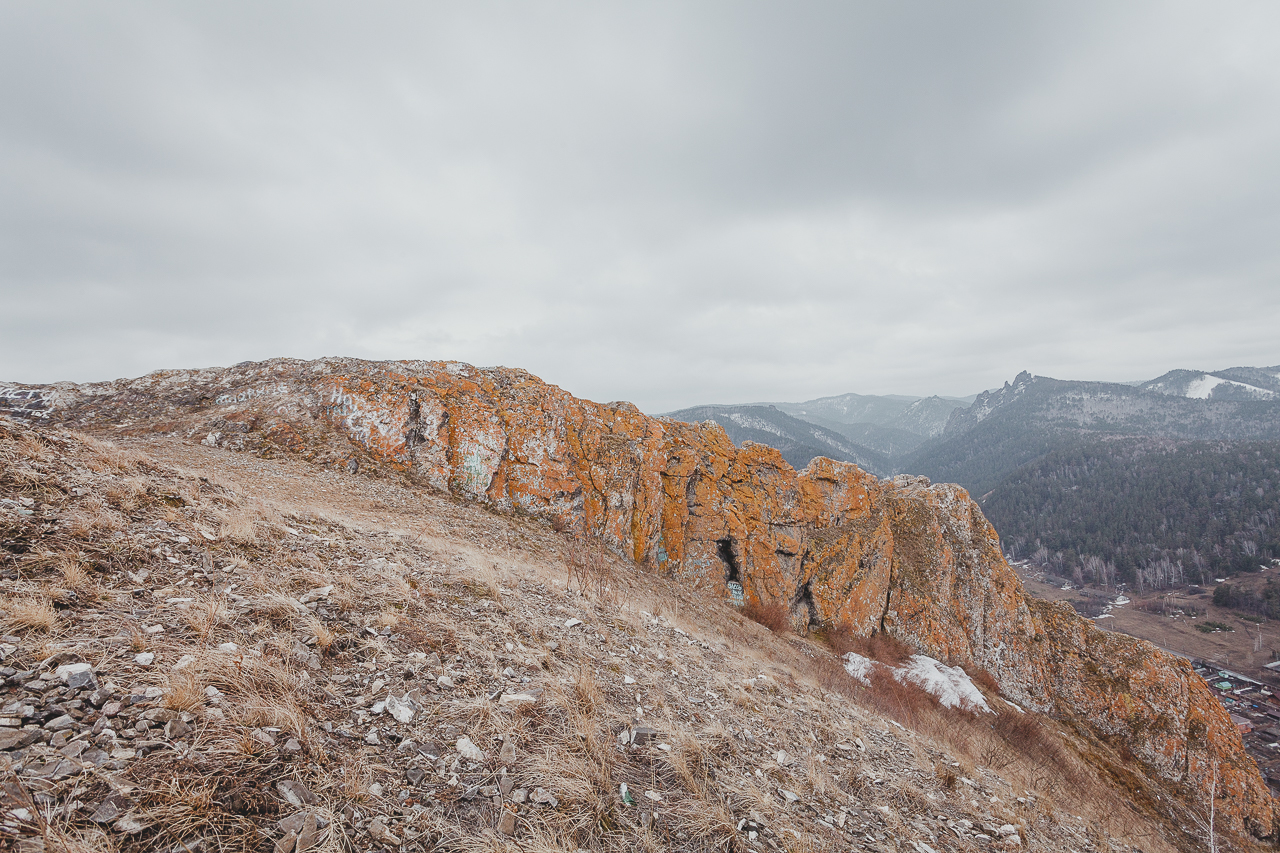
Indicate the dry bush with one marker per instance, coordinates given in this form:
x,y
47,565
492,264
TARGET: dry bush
x,y
773,616
590,569
1028,735
905,702
878,647
982,678
29,614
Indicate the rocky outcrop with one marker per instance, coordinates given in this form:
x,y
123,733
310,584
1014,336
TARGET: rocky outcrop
x,y
831,542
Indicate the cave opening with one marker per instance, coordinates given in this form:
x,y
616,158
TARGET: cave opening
x,y
732,572
724,549
805,608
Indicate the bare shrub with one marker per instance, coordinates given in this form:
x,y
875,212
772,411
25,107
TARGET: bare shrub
x,y
773,615
982,678
879,646
589,569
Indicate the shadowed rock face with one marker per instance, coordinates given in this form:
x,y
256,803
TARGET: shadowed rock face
x,y
833,543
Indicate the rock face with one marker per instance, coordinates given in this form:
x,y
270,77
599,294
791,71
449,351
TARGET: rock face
x,y
832,543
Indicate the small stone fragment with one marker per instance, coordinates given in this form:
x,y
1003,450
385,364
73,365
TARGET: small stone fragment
x,y
57,724
144,659
295,793
77,676
130,824
507,755
109,809
379,831
176,729
507,822
17,738
469,750
543,797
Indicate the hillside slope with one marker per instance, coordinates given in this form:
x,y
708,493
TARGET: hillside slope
x,y
832,545
218,651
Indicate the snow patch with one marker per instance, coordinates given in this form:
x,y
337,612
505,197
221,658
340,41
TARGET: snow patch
x,y
1201,388
950,685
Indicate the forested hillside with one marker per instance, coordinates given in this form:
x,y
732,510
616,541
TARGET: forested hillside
x,y
1152,512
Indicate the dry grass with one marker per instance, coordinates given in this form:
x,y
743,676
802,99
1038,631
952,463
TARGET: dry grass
x,y
127,495
240,525
184,692
106,456
93,518
74,575
28,614
205,617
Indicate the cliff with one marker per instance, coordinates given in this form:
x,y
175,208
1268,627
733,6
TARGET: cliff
x,y
831,542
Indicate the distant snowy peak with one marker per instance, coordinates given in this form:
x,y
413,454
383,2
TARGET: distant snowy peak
x,y
1237,383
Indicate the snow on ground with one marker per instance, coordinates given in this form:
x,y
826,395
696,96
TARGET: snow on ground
x,y
1201,388
950,685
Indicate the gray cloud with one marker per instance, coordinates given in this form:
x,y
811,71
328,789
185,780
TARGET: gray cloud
x,y
669,203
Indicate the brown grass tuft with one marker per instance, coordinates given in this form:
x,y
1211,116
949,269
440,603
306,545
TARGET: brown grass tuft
x,y
29,614
240,526
184,691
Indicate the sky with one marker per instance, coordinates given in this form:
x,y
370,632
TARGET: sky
x,y
669,203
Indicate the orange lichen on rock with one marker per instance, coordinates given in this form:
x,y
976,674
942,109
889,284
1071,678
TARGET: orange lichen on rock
x,y
835,545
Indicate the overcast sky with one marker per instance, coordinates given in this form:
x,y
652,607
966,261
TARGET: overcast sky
x,y
667,203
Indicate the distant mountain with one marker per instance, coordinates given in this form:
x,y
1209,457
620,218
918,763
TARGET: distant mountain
x,y
1236,383
1159,479
923,416
1033,415
798,440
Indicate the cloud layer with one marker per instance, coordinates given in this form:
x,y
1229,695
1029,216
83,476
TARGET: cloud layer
x,y
672,204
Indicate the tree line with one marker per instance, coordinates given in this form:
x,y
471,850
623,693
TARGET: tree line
x,y
1152,513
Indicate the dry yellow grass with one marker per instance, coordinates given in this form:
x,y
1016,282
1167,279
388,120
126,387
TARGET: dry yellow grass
x,y
205,617
29,614
184,690
239,526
